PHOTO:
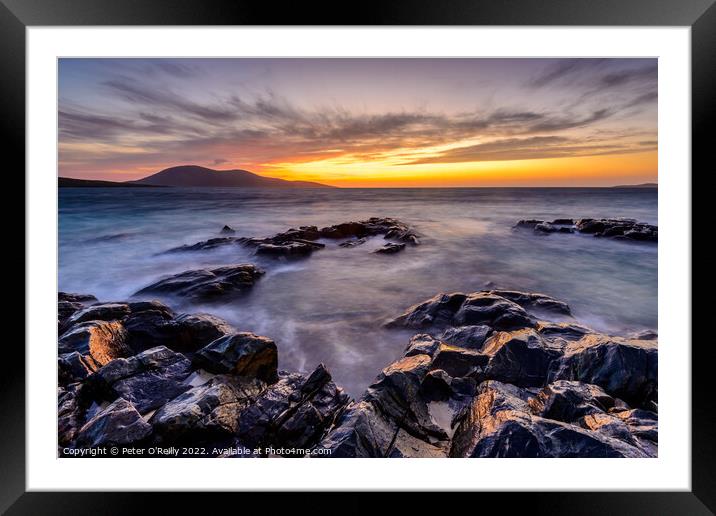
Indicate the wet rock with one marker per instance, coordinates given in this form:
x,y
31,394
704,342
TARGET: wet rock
x,y
534,301
71,408
353,243
520,357
206,285
207,413
103,341
99,312
294,412
458,362
76,298
624,368
459,309
148,325
618,229
227,230
75,367
147,380
117,424
288,249
500,424
194,331
569,401
204,245
242,354
471,337
391,248
644,335
528,223
565,331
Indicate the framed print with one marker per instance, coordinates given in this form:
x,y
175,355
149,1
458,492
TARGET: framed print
x,y
417,250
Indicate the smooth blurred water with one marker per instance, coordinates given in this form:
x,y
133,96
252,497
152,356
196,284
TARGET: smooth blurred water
x,y
329,308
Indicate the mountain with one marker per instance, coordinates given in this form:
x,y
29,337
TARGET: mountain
x,y
69,182
642,185
193,175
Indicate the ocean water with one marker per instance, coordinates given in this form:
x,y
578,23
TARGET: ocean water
x,y
331,306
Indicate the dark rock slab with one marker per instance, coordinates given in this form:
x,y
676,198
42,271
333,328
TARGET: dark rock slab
x,y
147,380
227,230
626,369
117,424
391,248
618,229
242,354
103,341
471,337
520,357
459,309
294,412
75,367
99,312
569,401
206,285
207,413
535,301
500,424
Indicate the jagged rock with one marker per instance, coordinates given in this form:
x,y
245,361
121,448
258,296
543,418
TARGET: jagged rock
x,y
626,369
565,331
391,248
500,424
353,243
520,357
76,298
206,413
101,340
205,285
227,230
471,337
459,309
533,301
458,362
288,249
70,413
148,379
117,424
569,401
204,245
294,412
619,229
99,312
194,331
74,367
242,354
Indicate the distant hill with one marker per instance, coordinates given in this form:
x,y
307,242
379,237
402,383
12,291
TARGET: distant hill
x,y
193,175
68,182
642,185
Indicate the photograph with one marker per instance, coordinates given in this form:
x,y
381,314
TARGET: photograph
x,y
353,257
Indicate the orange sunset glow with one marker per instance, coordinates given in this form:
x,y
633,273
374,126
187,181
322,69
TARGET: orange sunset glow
x,y
364,122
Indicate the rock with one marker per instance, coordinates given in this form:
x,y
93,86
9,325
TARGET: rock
x,y
103,341
227,230
528,223
520,357
147,380
500,424
99,312
207,413
148,325
288,249
71,407
206,285
619,229
294,412
391,248
74,367
354,242
534,301
644,335
242,354
204,245
565,331
118,424
194,331
458,362
76,298
569,401
626,369
459,309
471,337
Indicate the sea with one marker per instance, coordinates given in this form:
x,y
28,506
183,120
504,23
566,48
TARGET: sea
x,y
330,308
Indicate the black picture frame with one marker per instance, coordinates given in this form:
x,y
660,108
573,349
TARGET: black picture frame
x,y
17,15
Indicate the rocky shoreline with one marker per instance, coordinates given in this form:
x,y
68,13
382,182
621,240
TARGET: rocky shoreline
x,y
617,229
493,373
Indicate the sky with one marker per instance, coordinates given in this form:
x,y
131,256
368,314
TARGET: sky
x,y
364,122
